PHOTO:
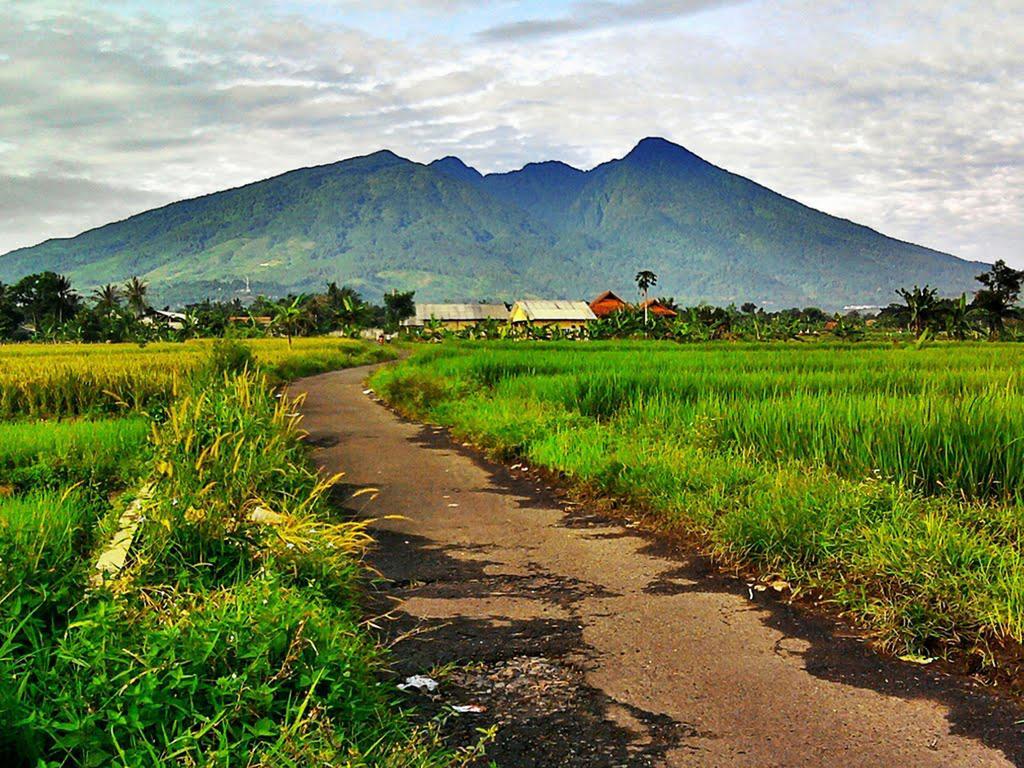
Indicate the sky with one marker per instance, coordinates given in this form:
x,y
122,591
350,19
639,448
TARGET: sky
x,y
907,116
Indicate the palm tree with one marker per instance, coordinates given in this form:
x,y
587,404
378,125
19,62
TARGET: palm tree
x,y
107,297
290,317
135,292
645,280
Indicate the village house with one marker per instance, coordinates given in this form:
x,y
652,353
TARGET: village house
x,y
454,317
606,304
173,320
656,308
261,321
564,314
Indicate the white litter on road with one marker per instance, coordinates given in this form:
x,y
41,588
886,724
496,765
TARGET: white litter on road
x,y
420,683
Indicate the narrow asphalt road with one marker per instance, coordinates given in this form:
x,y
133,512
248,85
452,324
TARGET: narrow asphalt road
x,y
591,644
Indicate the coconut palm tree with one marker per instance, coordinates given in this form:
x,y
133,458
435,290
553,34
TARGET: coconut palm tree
x,y
135,292
107,297
645,280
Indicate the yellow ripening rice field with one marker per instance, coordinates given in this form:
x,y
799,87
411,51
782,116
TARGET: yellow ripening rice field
x,y
60,380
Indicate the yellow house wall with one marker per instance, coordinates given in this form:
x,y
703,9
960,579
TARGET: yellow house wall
x,y
517,316
458,325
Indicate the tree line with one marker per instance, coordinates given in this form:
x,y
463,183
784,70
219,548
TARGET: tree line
x,y
46,307
991,313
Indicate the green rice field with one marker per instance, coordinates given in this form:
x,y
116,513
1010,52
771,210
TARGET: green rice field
x,y
890,478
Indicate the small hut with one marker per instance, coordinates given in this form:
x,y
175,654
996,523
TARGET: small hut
x,y
656,308
606,304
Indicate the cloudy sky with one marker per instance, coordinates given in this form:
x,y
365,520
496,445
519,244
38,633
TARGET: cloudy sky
x,y
904,115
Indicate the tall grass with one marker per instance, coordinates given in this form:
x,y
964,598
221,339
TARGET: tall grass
x,y
891,477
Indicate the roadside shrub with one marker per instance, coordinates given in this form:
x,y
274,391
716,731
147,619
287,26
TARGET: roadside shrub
x,y
416,391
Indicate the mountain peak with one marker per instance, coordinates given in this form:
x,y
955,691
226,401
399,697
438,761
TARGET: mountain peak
x,y
454,167
555,166
379,160
655,149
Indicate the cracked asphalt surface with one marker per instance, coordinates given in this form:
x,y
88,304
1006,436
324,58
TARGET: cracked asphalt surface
x,y
590,643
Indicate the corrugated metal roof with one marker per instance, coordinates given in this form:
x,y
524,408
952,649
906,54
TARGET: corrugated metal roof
x,y
541,311
457,313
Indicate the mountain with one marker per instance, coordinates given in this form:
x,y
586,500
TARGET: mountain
x,y
452,166
449,232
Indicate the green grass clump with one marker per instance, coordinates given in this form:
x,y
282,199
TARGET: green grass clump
x,y
889,477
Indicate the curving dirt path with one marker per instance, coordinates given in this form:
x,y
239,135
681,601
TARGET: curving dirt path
x,y
591,644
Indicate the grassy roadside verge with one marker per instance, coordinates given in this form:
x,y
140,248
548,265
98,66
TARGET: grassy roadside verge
x,y
809,466
233,636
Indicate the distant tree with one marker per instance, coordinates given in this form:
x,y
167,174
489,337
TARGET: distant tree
x,y
290,317
47,299
958,318
398,305
849,327
748,308
998,298
814,315
921,304
645,280
10,315
107,298
212,318
135,292
347,305
113,324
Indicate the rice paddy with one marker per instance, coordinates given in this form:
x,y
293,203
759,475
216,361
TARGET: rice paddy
x,y
890,478
46,381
